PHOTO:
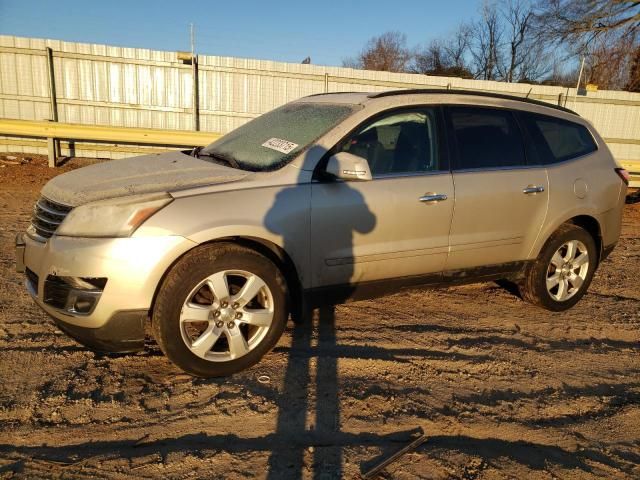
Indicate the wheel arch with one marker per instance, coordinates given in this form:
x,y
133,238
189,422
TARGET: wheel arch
x,y
281,259
273,252
591,225
585,221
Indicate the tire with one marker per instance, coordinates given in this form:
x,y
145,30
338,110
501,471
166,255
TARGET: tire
x,y
569,289
188,313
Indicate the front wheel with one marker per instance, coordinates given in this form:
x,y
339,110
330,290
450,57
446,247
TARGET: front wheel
x,y
563,271
220,309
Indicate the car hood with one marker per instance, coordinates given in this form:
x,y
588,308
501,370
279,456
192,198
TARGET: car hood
x,y
162,172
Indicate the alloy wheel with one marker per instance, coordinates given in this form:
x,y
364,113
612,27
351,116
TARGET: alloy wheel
x,y
226,315
567,270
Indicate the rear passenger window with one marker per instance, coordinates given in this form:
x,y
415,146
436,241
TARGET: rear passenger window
x,y
557,140
486,138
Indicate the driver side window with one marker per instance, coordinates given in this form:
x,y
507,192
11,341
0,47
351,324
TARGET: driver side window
x,y
399,143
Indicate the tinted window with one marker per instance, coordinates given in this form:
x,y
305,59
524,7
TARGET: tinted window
x,y
557,140
398,143
486,138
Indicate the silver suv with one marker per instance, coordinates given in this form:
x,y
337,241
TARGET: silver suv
x,y
329,198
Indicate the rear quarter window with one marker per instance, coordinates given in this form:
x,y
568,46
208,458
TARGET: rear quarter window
x,y
557,140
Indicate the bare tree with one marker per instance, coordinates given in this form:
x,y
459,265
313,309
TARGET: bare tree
x,y
560,76
457,46
444,56
524,57
501,45
577,20
608,61
431,60
486,36
387,52
521,40
436,59
604,32
633,84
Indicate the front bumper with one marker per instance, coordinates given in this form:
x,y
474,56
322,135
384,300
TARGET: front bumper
x,y
133,268
123,332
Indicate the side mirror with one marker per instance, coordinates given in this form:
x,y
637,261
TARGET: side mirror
x,y
348,167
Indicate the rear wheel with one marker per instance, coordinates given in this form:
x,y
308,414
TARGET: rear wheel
x,y
219,310
563,271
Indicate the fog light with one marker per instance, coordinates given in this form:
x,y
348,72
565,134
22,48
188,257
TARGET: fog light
x,y
84,304
76,295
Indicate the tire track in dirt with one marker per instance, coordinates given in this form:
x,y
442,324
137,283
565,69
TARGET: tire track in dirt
x,y
504,390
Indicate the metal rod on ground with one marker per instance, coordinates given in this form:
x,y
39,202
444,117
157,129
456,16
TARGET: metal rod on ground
x,y
53,145
378,468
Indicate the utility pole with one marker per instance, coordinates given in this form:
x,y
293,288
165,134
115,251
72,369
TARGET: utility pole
x,y
193,42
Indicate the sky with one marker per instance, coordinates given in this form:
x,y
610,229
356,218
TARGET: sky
x,y
327,31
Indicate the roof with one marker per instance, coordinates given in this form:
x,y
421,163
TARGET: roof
x,y
476,93
362,97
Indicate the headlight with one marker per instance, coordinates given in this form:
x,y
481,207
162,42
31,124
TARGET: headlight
x,y
118,217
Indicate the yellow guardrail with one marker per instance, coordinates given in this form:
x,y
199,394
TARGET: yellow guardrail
x,y
54,131
633,167
71,131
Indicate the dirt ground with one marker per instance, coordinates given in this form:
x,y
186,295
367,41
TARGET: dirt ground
x,y
501,388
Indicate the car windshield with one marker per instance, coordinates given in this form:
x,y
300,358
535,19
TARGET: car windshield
x,y
275,138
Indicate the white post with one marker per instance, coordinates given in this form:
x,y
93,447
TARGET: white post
x,y
53,145
579,80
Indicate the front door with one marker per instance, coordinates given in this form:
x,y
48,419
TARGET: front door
x,y
396,225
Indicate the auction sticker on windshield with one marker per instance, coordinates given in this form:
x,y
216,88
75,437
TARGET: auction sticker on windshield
x,y
283,146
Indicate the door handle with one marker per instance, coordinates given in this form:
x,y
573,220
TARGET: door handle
x,y
433,197
529,189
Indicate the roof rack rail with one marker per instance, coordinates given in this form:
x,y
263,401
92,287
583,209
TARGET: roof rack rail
x,y
331,93
476,93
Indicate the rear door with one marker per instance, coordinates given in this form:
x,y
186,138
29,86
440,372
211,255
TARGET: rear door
x,y
396,225
500,200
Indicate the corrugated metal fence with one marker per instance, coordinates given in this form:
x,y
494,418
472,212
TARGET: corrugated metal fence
x,y
130,87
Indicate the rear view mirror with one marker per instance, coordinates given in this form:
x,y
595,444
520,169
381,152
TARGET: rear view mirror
x,y
348,167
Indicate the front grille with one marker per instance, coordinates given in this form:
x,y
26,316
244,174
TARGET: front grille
x,y
47,216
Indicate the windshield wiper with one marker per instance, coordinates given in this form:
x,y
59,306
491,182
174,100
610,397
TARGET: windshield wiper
x,y
232,162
